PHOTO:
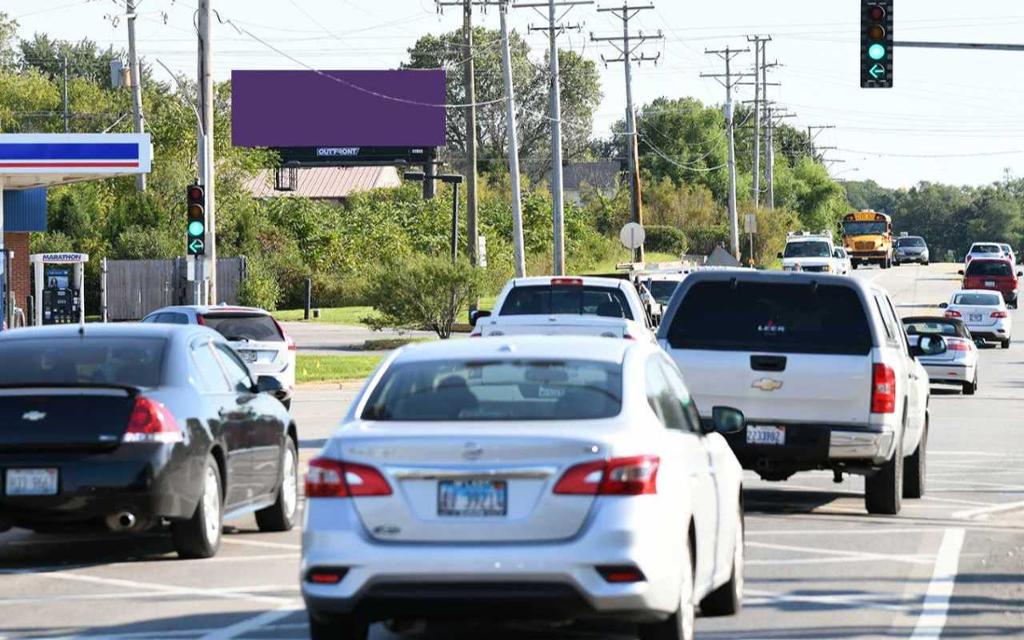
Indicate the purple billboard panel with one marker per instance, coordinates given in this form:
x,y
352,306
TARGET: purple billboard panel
x,y
338,108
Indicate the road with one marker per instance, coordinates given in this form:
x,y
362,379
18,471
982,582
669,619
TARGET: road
x,y
951,565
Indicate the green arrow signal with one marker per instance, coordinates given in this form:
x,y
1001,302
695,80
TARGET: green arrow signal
x,y
196,246
877,71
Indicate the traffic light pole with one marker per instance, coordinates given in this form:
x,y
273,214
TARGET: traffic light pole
x,y
977,46
206,173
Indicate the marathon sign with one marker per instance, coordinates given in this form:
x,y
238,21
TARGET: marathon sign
x,y
61,258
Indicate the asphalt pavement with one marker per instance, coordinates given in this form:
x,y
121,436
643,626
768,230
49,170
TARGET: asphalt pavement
x,y
818,567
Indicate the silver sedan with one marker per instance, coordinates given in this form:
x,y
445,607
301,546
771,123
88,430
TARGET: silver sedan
x,y
958,365
524,477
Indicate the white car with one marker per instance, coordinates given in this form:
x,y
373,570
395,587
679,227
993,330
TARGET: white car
x,y
811,253
959,364
844,266
822,368
529,477
566,305
1010,255
985,250
984,313
253,333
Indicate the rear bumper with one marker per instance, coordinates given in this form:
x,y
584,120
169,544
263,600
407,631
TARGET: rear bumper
x,y
814,446
869,256
920,258
950,372
152,481
993,333
522,580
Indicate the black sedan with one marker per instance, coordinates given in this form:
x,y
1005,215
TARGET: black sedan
x,y
135,427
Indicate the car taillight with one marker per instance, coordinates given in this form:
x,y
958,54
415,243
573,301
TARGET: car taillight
x,y
883,389
621,574
632,476
950,313
200,319
958,345
151,421
566,282
287,338
329,478
999,314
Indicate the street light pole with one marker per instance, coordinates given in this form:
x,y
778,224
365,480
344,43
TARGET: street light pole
x,y
455,180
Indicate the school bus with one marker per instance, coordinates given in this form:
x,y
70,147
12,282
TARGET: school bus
x,y
867,236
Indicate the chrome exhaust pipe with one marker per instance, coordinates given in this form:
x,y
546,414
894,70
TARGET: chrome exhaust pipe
x,y
122,521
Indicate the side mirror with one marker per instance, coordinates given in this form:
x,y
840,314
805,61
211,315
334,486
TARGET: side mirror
x,y
929,345
727,420
960,272
979,342
836,254
268,384
944,305
474,316
779,256
1020,274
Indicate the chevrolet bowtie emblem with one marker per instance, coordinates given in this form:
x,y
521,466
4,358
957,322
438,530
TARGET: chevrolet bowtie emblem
x,y
767,384
33,416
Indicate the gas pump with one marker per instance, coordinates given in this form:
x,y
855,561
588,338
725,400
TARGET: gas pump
x,y
59,280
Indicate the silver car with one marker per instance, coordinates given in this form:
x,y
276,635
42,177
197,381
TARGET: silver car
x,y
958,365
530,477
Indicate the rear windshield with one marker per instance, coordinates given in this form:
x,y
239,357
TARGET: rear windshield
x,y
555,299
978,299
989,268
986,248
662,290
807,250
772,318
936,327
237,326
497,391
134,362
910,242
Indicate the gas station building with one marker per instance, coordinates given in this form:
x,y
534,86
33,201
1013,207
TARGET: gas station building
x,y
29,164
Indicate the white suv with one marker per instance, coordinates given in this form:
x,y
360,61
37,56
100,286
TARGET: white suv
x,y
812,253
821,367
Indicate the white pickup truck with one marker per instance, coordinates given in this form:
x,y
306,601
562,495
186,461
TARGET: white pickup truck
x,y
566,305
813,253
821,367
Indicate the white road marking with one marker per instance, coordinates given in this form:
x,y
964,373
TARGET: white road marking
x,y
835,532
133,595
260,543
967,454
245,626
935,607
176,633
860,555
985,513
849,600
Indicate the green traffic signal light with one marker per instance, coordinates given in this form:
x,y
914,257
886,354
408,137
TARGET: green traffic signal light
x,y
196,229
876,51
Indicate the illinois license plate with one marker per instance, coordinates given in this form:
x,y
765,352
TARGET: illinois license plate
x,y
248,357
30,482
472,498
990,283
766,435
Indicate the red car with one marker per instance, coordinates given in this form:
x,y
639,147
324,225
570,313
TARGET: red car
x,y
993,275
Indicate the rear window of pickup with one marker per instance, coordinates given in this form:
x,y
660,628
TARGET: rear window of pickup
x,y
572,300
771,318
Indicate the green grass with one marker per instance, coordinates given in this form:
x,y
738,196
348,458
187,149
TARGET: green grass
x,y
335,315
312,368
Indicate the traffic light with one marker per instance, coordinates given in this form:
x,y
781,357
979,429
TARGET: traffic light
x,y
876,44
195,236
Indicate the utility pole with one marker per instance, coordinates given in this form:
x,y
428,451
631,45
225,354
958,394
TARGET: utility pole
x,y
812,136
760,46
770,117
518,250
730,80
207,173
627,45
136,80
558,206
67,118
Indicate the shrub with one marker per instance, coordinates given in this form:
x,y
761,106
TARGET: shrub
x,y
665,239
259,288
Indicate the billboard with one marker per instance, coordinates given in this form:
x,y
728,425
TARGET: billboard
x,y
338,108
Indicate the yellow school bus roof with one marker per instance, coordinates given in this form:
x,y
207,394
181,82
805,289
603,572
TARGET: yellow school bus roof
x,y
866,216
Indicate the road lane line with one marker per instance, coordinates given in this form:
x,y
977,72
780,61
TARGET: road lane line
x,y
986,512
131,595
251,624
166,588
860,555
834,532
935,607
260,543
849,600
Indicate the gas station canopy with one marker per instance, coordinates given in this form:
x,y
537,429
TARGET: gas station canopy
x,y
29,160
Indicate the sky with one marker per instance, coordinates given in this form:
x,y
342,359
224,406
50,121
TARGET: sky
x,y
954,116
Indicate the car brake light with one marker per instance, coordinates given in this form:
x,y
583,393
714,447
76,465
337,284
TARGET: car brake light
x,y
999,314
151,421
326,576
329,478
566,282
632,476
958,345
883,389
287,338
621,574
950,313
200,319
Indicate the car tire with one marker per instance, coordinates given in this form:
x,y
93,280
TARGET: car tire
x,y
970,388
925,263
287,404
1005,343
883,491
915,468
337,627
280,516
680,625
199,536
854,265
727,600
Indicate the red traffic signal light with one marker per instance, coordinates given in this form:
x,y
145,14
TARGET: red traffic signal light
x,y
876,13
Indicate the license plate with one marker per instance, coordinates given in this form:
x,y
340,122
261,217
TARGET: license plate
x,y
472,498
765,434
31,482
248,357
974,317
990,283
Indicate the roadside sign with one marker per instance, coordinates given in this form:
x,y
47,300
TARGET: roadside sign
x,y
632,235
481,251
750,223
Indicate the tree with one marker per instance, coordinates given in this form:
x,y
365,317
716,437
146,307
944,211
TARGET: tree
x,y
8,34
423,292
579,82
